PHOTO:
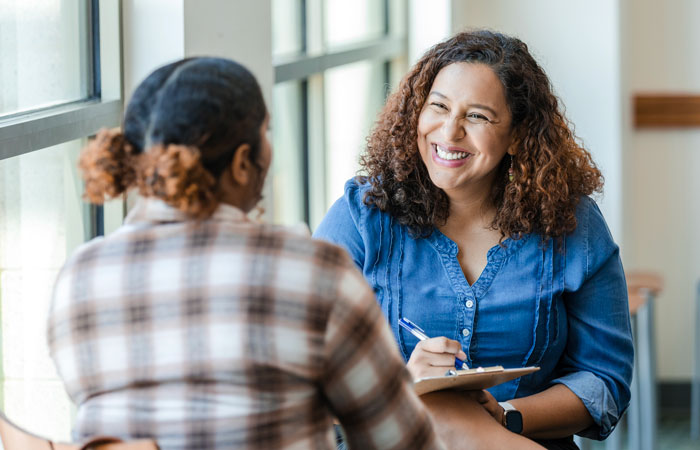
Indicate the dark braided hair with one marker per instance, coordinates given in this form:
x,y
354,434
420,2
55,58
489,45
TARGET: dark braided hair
x,y
181,129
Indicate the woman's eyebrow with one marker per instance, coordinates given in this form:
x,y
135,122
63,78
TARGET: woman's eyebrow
x,y
473,105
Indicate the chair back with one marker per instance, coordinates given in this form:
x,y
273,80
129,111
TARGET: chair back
x,y
641,285
638,280
15,438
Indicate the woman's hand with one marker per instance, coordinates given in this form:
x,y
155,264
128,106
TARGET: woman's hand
x,y
433,357
489,403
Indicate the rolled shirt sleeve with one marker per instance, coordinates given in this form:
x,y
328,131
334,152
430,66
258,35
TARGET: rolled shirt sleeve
x,y
597,363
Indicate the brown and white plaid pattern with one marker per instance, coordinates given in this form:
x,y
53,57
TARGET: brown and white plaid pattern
x,y
227,334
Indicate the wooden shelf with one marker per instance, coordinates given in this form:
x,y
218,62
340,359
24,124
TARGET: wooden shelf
x,y
666,111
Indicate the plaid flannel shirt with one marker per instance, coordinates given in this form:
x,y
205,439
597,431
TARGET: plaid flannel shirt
x,y
227,334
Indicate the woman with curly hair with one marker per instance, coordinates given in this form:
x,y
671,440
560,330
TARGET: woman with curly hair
x,y
194,326
474,221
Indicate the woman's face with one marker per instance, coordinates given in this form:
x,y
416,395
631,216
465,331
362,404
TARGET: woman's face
x,y
464,128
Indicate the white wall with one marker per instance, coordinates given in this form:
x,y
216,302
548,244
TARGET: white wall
x,y
152,35
157,32
429,23
577,44
661,44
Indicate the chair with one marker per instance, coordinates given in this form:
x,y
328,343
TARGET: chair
x,y
641,419
642,289
13,437
695,388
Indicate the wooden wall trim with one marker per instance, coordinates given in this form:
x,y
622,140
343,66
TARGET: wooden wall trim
x,y
666,110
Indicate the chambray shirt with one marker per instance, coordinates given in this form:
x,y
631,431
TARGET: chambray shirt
x,y
563,309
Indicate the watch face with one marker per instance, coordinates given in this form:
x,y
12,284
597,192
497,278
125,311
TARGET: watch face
x,y
514,421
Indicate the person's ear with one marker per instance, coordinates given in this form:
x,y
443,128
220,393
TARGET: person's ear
x,y
241,166
514,145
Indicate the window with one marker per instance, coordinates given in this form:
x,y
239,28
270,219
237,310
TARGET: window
x,y
42,219
334,61
45,54
59,83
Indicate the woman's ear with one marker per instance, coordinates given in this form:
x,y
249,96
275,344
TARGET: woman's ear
x,y
241,166
513,146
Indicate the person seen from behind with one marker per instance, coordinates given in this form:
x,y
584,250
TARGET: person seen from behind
x,y
194,326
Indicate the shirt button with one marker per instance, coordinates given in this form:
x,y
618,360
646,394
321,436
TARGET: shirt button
x,y
469,303
465,332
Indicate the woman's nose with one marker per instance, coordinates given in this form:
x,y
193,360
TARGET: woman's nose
x,y
453,129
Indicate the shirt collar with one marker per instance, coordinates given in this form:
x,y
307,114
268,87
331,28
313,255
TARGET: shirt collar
x,y
154,210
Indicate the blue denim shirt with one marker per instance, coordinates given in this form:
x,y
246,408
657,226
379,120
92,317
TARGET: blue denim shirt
x,y
562,309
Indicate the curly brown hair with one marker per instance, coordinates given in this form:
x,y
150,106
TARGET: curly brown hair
x,y
551,170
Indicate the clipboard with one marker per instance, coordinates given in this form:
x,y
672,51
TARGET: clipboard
x,y
471,379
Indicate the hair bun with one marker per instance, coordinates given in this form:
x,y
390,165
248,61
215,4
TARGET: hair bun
x,y
175,174
107,165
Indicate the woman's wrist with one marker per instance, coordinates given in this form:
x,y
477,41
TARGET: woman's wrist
x,y
511,418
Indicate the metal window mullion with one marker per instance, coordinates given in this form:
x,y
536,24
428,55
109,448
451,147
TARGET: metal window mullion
x,y
305,66
56,126
305,154
386,10
94,53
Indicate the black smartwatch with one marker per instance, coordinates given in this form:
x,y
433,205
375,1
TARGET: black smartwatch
x,y
512,418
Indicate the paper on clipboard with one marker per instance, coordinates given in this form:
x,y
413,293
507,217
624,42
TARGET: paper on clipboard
x,y
470,379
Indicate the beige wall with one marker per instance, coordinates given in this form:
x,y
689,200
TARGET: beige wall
x,y
661,44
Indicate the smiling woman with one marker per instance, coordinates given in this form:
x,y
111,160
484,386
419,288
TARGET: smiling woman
x,y
475,222
465,125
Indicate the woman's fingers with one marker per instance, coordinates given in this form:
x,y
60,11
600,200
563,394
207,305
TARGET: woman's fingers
x,y
433,357
442,345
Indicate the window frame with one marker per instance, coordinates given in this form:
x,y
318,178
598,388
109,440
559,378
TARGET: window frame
x,y
33,130
308,67
29,131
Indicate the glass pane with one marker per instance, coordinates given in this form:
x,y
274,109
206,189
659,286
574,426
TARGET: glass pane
x,y
354,96
43,53
42,220
352,21
286,27
288,162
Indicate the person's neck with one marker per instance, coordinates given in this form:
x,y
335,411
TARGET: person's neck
x,y
470,207
230,193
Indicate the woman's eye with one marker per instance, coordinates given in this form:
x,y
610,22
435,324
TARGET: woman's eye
x,y
439,105
477,118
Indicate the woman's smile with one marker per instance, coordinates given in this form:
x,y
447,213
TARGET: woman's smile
x,y
450,156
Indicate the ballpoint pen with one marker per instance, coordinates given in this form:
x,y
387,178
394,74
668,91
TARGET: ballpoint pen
x,y
420,334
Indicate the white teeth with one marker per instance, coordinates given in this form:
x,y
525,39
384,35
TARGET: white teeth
x,y
450,155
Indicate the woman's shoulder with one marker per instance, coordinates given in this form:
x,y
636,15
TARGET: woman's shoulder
x,y
590,221
356,190
351,206
591,243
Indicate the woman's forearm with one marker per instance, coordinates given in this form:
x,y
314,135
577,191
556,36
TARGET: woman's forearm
x,y
553,413
463,424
